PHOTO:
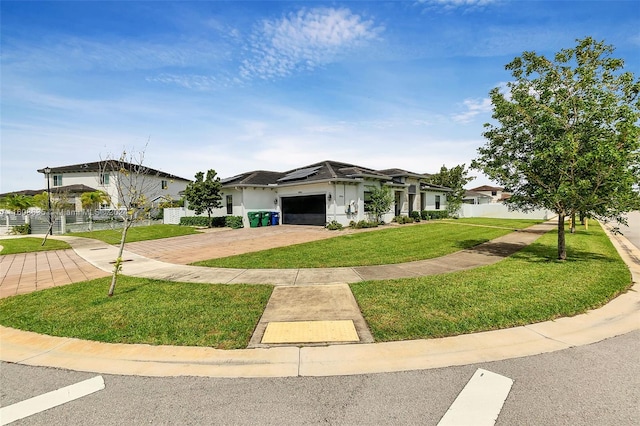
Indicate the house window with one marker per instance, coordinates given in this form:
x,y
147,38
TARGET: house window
x,y
437,202
494,193
367,201
104,179
229,204
57,180
165,184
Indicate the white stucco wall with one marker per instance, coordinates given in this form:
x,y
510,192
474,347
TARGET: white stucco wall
x,y
152,185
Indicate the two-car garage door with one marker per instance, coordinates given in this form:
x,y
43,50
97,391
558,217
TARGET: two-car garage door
x,y
304,210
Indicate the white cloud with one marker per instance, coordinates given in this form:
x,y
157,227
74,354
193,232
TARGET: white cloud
x,y
474,107
305,40
453,4
197,82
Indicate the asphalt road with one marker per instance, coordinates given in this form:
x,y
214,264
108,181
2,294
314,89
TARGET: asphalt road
x,y
597,384
632,230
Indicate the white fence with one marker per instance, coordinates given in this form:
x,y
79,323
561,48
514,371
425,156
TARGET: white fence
x,y
172,215
500,211
71,222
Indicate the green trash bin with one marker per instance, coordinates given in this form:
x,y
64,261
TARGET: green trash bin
x,y
265,218
254,219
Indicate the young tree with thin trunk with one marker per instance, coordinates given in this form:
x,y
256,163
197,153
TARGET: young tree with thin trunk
x,y
380,202
566,135
136,185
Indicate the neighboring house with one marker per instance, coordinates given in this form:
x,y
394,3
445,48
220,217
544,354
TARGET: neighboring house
x,y
496,193
326,191
474,197
104,176
69,195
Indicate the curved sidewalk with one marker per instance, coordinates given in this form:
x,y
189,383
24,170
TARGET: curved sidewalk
x,y
101,255
617,317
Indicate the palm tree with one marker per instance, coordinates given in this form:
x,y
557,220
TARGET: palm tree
x,y
92,200
17,202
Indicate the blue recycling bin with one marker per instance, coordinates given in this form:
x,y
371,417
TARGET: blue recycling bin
x,y
275,218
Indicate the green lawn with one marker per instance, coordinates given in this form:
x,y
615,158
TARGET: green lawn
x,y
142,311
138,233
528,287
388,245
29,245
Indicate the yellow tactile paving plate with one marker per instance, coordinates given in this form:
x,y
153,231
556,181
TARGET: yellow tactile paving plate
x,y
310,332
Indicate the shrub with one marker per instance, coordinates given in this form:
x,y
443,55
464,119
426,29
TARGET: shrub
x,y
334,225
194,221
21,229
234,222
363,224
403,219
415,215
434,214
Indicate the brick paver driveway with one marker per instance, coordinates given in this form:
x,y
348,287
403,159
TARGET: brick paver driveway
x,y
222,242
27,272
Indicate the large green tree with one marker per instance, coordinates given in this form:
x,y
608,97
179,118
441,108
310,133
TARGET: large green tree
x,y
566,135
204,193
454,178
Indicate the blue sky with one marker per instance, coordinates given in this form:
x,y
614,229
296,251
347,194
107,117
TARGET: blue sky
x,y
265,85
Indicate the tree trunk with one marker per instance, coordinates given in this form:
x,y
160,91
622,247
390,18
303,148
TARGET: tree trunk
x,y
562,247
118,264
573,222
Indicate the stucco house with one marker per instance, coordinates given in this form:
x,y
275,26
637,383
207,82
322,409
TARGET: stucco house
x,y
474,197
105,175
322,192
496,193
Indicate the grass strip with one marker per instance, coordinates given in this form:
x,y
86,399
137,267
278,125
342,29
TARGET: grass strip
x,y
526,288
30,245
389,245
142,311
138,233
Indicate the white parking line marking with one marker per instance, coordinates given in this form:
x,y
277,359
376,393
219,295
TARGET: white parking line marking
x,y
43,402
480,402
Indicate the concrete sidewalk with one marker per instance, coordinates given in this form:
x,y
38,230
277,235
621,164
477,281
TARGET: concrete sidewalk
x,y
618,317
101,255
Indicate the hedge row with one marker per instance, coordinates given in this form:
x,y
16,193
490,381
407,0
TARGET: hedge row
x,y
434,214
234,222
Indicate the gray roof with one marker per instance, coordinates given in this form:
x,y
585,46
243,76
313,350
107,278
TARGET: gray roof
x,y
471,193
404,173
327,170
68,189
109,165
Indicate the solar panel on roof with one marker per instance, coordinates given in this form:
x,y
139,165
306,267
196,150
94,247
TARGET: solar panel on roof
x,y
300,174
231,179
